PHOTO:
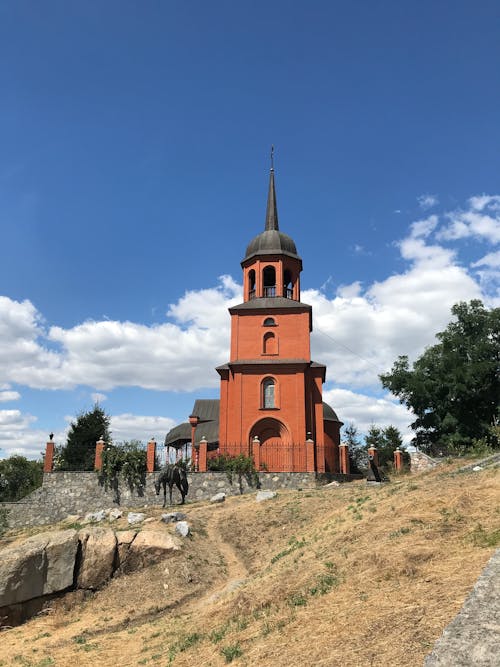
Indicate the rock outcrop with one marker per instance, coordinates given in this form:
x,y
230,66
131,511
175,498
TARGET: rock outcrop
x,y
149,547
98,552
39,566
54,562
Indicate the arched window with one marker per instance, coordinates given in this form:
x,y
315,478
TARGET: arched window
x,y
269,281
287,285
268,396
269,322
269,343
251,284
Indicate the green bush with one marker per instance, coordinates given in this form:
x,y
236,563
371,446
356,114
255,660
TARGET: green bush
x,y
127,460
19,477
240,466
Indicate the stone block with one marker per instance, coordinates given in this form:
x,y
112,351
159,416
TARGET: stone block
x,y
98,547
265,495
182,528
60,552
150,546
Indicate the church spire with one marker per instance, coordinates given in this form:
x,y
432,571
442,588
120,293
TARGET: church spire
x,y
272,210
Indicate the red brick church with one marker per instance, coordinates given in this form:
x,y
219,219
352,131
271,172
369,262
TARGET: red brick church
x,y
271,405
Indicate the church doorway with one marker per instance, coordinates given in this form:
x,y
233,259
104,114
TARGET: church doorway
x,y
275,444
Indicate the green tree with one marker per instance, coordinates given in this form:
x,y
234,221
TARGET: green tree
x,y
386,440
79,451
453,389
357,453
18,477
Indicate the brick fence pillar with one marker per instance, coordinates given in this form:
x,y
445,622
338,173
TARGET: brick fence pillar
x,y
309,444
345,468
398,460
202,455
151,455
48,461
256,453
99,447
372,451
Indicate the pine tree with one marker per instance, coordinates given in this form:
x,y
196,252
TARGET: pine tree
x,y
89,427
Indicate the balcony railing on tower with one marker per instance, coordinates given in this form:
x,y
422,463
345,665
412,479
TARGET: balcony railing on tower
x,y
270,290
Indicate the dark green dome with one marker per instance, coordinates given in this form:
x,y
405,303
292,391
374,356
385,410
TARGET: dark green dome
x,y
329,413
271,242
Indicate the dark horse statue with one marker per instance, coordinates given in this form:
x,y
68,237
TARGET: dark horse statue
x,y
169,475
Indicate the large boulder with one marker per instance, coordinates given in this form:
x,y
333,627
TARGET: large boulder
x,y
61,554
41,565
150,546
98,550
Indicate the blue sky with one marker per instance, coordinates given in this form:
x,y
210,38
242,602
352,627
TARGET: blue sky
x,y
134,158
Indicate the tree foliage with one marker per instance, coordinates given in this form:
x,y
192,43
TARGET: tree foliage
x,y
453,389
79,451
18,477
357,453
386,440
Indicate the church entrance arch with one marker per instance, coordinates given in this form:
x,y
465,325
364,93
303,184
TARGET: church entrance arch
x,y
275,445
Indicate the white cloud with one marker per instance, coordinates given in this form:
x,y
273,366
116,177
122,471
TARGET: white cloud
x,y
98,397
427,201
140,427
423,228
491,260
363,410
6,396
481,220
349,291
480,202
176,356
17,435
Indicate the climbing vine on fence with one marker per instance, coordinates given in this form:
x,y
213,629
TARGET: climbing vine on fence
x,y
241,466
127,460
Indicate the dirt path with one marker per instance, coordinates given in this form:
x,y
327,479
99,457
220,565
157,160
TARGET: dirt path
x,y
236,572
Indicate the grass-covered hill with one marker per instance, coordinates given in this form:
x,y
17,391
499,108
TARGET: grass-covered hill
x,y
347,576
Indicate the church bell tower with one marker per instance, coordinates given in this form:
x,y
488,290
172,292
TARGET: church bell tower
x,y
271,404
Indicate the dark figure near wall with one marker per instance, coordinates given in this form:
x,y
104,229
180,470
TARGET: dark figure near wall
x,y
169,475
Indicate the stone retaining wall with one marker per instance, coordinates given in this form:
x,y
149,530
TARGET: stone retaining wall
x,y
419,462
76,493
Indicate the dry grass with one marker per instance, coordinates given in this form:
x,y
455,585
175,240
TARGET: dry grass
x,y
350,576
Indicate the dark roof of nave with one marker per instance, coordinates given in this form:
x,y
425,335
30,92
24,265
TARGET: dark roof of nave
x,y
206,409
210,430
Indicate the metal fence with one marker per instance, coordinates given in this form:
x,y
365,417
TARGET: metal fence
x,y
273,457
